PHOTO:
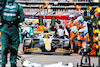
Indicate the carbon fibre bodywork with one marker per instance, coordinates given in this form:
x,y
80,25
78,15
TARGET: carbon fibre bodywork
x,y
46,42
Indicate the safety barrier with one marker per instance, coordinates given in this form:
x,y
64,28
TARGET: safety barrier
x,y
50,16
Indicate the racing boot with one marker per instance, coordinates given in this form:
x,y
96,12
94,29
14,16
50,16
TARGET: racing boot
x,y
13,65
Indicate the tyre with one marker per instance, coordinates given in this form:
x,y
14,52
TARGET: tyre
x,y
69,46
77,64
93,65
75,46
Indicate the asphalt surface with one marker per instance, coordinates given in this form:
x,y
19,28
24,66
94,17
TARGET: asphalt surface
x,y
51,59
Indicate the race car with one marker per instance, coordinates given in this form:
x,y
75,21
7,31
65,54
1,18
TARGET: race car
x,y
45,42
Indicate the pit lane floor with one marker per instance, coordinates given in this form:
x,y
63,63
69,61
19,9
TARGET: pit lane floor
x,y
50,59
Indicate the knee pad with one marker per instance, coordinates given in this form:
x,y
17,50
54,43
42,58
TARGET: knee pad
x,y
13,51
6,51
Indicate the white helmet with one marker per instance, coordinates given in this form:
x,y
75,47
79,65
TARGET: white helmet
x,y
85,30
71,16
80,18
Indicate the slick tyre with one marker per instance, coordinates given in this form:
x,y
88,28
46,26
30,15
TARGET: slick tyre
x,y
77,64
93,65
75,46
